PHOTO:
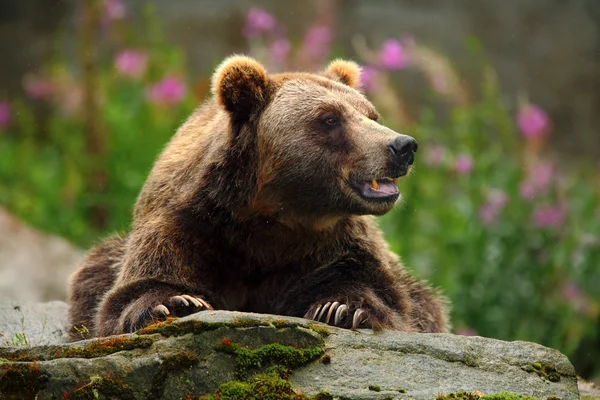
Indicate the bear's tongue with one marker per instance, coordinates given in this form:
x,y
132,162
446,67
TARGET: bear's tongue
x,y
379,188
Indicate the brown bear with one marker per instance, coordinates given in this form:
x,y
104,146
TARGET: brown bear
x,y
263,202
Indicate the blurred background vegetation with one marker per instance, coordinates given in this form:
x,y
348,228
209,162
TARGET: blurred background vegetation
x,y
502,211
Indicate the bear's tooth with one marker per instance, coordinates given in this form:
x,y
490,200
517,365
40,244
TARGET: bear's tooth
x,y
374,184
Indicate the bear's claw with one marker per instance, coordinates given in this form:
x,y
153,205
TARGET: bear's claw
x,y
161,310
339,312
360,316
180,306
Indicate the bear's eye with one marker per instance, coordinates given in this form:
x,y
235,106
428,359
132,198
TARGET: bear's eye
x,y
331,120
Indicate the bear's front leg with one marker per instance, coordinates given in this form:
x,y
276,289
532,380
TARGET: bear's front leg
x,y
131,306
348,294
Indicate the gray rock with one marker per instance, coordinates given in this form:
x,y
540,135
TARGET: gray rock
x,y
189,357
32,324
424,365
34,266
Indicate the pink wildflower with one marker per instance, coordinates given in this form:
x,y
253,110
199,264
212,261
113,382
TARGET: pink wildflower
x,y
169,91
466,332
393,55
571,291
527,190
36,87
131,63
317,40
574,296
490,211
114,10
533,121
280,49
538,180
435,156
368,77
541,175
439,84
463,164
258,21
5,114
548,216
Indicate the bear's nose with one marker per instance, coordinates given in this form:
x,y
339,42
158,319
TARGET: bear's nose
x,y
403,148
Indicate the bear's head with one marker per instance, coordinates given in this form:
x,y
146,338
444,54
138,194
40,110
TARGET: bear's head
x,y
320,150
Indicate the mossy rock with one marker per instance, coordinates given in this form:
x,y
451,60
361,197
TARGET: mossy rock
x,y
226,355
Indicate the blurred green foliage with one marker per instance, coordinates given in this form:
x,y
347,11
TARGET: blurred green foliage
x,y
516,262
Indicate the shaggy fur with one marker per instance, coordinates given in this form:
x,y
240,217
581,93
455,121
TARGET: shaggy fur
x,y
250,208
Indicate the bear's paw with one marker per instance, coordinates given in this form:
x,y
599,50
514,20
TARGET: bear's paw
x,y
339,314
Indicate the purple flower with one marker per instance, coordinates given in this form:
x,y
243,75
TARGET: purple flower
x,y
368,78
571,291
392,55
533,121
541,175
280,49
435,156
317,40
497,198
527,190
5,114
114,10
548,216
538,180
466,332
36,87
258,21
169,91
490,211
463,164
131,63
574,296
439,84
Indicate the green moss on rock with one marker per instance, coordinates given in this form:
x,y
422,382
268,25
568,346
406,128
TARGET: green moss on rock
x,y
102,387
97,348
172,364
320,329
264,386
176,327
262,373
169,328
496,396
247,360
544,371
20,379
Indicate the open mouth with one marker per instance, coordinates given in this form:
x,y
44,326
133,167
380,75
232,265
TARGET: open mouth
x,y
383,189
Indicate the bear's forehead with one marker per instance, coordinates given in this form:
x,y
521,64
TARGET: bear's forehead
x,y
310,90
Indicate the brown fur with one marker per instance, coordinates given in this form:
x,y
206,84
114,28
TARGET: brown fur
x,y
249,208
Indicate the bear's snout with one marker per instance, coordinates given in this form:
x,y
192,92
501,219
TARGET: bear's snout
x,y
403,150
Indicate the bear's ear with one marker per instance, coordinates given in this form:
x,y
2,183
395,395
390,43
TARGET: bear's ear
x,y
240,85
346,72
